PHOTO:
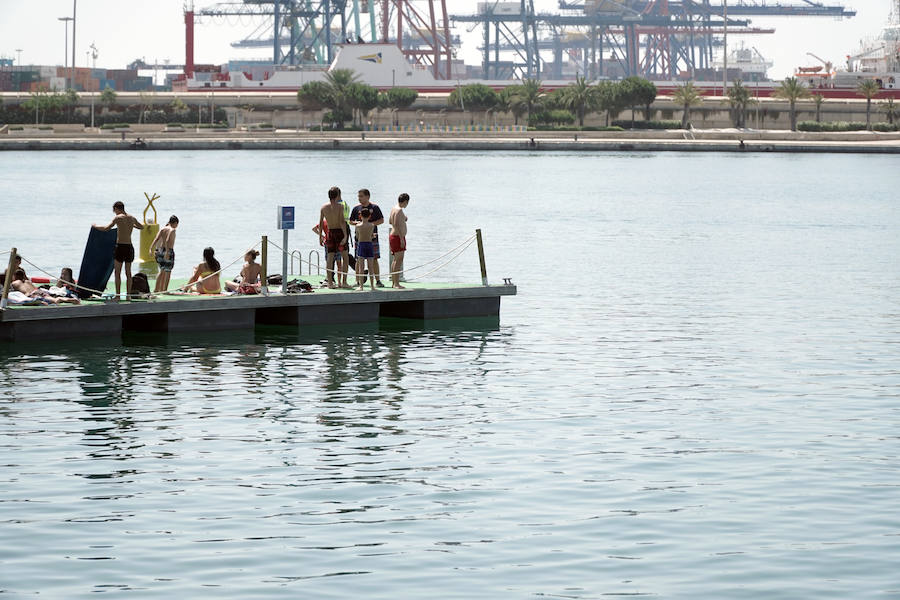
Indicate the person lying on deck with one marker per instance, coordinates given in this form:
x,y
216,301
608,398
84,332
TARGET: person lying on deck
x,y
22,284
205,279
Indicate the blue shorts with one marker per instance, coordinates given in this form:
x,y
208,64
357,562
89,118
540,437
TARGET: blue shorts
x,y
365,250
375,245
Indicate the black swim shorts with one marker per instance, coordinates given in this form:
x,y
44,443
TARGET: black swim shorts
x,y
124,253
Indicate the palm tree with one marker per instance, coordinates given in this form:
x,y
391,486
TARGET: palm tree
x,y
739,98
340,83
686,96
581,98
890,110
108,98
530,95
868,89
791,90
818,99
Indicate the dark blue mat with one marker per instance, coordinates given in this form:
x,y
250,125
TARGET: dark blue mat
x,y
97,264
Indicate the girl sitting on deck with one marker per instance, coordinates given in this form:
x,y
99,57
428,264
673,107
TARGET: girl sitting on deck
x,y
206,275
249,283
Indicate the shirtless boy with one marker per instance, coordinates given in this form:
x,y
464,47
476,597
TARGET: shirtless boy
x,y
397,220
376,218
124,252
365,249
335,240
163,248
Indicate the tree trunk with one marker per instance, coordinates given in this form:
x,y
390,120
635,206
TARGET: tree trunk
x,y
685,117
869,114
793,117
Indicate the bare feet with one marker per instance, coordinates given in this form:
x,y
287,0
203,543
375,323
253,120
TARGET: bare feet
x,y
398,287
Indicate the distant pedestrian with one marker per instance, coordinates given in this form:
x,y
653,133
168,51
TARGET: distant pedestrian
x,y
124,251
397,220
163,248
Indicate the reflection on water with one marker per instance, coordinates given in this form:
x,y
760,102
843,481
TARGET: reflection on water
x,y
696,400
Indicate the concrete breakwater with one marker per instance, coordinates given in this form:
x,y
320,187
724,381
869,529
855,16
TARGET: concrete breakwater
x,y
585,141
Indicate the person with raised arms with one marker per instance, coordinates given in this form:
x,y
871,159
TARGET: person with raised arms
x,y
124,250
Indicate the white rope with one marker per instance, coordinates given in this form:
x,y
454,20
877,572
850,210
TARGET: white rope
x,y
52,277
439,267
467,242
177,291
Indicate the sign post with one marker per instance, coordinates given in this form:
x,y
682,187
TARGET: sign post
x,y
285,223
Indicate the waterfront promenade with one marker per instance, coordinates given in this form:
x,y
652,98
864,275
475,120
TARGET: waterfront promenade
x,y
698,140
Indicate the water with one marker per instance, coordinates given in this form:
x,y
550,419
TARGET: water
x,y
694,395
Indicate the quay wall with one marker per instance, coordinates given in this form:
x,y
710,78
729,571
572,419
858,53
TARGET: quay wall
x,y
676,140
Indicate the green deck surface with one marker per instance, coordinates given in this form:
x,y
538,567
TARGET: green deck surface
x,y
317,281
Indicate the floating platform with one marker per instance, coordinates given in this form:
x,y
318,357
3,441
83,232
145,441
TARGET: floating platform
x,y
171,314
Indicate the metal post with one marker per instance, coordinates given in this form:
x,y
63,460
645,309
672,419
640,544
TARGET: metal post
x,y
484,280
8,279
74,6
264,270
725,50
284,260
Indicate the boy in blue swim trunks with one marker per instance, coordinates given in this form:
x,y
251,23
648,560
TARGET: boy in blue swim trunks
x,y
365,249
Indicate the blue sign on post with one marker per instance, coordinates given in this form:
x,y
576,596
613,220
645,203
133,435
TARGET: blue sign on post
x,y
285,217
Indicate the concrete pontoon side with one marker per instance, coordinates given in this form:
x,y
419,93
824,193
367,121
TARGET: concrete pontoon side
x,y
245,312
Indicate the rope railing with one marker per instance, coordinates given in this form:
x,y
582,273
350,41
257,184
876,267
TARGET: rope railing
x,y
51,277
463,245
183,289
174,292
456,252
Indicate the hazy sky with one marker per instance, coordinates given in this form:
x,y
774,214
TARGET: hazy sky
x,y
123,30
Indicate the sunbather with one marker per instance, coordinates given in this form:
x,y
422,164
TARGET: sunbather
x,y
22,284
249,283
205,279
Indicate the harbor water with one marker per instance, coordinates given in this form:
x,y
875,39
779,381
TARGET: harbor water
x,y
695,394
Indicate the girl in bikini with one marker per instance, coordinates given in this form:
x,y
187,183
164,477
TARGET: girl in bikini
x,y
206,275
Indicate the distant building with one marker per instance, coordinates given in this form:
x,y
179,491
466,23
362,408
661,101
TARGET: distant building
x,y
31,78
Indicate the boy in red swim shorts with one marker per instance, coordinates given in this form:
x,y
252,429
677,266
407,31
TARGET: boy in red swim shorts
x,y
397,238
332,235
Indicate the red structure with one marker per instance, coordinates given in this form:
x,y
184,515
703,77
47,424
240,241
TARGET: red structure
x,y
423,32
189,41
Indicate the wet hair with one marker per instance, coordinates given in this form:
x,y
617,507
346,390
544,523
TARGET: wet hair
x,y
365,212
334,193
365,193
252,254
403,197
19,274
65,277
173,220
119,205
209,255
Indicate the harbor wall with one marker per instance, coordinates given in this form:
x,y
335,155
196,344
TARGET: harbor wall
x,y
282,110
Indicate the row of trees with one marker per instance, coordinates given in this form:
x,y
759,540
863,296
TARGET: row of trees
x,y
579,99
347,99
740,98
60,107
